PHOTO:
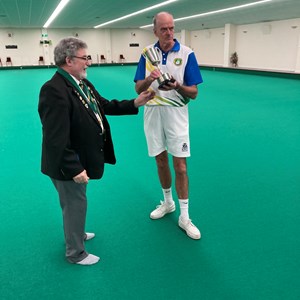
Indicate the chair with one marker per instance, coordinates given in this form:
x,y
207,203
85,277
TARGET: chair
x,y
41,60
122,58
8,61
102,58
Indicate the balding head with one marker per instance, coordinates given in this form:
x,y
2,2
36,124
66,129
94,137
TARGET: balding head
x,y
162,17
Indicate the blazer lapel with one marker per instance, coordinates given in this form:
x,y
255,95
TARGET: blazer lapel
x,y
86,106
81,99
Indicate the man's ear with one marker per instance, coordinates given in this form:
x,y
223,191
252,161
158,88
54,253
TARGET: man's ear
x,y
68,61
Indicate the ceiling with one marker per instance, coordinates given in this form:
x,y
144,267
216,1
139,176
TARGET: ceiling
x,y
88,13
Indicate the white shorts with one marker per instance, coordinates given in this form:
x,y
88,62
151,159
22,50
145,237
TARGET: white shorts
x,y
167,128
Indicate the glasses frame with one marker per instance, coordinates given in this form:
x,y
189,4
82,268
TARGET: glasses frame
x,y
86,58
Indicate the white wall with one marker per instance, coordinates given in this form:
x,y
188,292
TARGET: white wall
x,y
110,43
93,38
208,46
271,45
28,42
257,48
268,46
122,38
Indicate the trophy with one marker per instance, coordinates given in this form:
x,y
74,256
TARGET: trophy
x,y
152,56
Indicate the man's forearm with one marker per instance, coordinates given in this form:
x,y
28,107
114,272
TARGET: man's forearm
x,y
143,85
187,91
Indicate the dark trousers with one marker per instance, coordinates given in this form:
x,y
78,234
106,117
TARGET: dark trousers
x,y
73,201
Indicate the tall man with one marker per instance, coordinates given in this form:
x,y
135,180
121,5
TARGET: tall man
x,y
77,139
166,122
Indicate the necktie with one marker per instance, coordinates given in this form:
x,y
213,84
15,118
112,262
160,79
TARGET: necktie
x,y
92,103
81,84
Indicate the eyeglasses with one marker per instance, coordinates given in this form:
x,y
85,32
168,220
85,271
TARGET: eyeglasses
x,y
86,58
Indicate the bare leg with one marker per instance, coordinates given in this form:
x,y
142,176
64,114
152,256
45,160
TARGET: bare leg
x,y
163,169
167,206
181,177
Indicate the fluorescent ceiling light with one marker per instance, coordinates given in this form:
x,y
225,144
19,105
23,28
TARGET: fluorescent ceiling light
x,y
216,11
57,10
135,13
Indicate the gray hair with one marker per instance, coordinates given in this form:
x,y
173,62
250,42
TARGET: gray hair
x,y
67,47
157,15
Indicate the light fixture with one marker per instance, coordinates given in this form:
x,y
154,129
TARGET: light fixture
x,y
57,10
135,13
216,11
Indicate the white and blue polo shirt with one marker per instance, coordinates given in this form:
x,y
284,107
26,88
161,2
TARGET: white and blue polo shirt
x,y
181,63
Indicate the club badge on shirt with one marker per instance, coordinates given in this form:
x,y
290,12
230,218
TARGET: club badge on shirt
x,y
177,61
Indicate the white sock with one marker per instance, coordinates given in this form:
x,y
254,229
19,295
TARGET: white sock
x,y
184,208
168,198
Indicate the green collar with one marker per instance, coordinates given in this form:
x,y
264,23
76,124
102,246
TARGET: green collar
x,y
71,80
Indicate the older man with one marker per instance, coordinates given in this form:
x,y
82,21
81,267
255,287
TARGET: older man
x,y
77,140
166,121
